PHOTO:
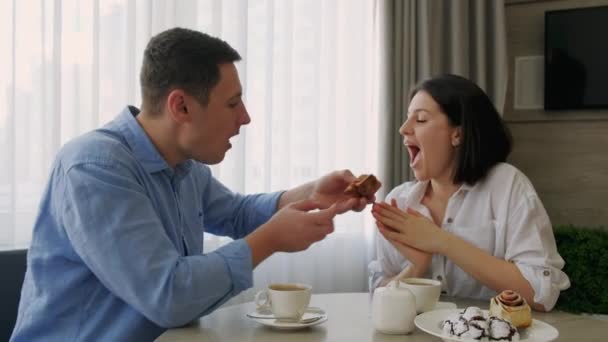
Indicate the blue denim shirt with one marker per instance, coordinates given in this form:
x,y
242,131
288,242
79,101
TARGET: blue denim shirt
x,y
117,247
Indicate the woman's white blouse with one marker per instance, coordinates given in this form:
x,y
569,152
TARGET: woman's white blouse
x,y
502,215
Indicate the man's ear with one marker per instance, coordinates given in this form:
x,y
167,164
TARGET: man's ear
x,y
177,106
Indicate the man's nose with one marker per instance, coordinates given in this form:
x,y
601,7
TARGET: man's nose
x,y
245,118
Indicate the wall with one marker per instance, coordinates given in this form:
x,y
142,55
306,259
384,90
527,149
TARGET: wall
x,y
565,154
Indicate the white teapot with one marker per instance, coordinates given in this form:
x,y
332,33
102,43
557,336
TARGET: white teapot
x,y
393,309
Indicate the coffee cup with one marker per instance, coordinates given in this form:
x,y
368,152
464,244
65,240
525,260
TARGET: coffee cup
x,y
426,291
285,300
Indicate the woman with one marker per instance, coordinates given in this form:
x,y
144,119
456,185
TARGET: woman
x,y
469,220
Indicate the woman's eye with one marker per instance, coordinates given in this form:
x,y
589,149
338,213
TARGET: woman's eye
x,y
232,105
419,120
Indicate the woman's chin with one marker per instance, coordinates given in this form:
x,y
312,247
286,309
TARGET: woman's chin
x,y
420,176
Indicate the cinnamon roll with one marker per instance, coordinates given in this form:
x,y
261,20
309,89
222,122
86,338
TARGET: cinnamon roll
x,y
511,306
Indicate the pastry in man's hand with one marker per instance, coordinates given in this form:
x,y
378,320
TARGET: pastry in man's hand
x,y
511,306
364,186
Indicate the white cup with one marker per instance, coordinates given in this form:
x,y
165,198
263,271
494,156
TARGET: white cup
x,y
287,301
426,291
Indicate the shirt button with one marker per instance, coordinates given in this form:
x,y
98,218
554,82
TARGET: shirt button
x,y
440,278
450,220
546,273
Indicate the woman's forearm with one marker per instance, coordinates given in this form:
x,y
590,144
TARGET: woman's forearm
x,y
493,272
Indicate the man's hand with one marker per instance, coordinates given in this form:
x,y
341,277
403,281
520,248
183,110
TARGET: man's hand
x,y
293,228
300,224
330,188
326,191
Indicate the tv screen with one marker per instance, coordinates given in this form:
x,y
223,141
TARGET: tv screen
x,y
576,58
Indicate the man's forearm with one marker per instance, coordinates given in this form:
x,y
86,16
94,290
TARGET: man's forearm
x,y
296,194
261,246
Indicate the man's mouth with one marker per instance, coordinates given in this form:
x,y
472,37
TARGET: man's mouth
x,y
232,136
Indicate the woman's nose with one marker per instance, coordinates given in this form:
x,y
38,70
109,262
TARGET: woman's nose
x,y
405,128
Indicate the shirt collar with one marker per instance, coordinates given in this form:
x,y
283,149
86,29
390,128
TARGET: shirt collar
x,y
414,196
143,148
464,188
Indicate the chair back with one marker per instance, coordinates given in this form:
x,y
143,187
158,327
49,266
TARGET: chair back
x,y
12,265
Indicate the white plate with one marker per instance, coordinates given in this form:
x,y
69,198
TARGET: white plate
x,y
314,316
430,322
445,305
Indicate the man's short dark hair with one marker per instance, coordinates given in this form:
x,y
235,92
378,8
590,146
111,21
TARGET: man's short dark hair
x,y
184,59
485,139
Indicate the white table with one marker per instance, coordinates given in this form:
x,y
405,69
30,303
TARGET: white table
x,y
349,319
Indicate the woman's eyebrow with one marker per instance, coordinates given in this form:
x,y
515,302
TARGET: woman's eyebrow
x,y
417,110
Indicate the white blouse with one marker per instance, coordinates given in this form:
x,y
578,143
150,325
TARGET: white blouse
x,y
502,215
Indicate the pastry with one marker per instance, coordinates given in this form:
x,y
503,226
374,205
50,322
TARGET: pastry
x,y
511,306
501,330
456,326
472,313
478,325
449,324
468,324
478,328
364,186
472,324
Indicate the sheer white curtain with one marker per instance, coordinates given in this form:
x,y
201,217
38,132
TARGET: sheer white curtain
x,y
310,73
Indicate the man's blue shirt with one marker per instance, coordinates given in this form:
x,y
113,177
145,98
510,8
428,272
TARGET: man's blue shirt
x,y
116,252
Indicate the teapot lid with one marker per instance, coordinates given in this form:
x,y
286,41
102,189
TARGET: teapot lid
x,y
394,288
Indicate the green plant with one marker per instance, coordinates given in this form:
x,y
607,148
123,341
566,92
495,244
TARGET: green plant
x,y
585,251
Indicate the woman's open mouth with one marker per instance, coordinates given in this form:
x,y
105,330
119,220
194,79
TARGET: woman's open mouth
x,y
414,152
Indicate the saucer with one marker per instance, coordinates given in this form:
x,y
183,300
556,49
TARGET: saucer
x,y
311,317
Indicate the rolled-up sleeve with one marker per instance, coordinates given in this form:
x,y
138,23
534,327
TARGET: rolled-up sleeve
x,y
237,256
531,247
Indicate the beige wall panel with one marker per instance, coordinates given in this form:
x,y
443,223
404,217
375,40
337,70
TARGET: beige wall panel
x,y
568,167
565,154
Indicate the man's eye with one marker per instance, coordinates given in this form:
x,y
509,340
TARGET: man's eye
x,y
419,120
233,105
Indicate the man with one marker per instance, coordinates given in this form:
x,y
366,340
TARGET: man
x,y
116,253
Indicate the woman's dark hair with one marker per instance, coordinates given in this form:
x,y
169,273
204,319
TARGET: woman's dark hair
x,y
182,58
486,139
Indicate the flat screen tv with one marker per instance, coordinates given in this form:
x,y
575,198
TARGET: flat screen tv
x,y
576,58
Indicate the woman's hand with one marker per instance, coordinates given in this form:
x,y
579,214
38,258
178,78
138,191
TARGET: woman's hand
x,y
419,260
411,229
